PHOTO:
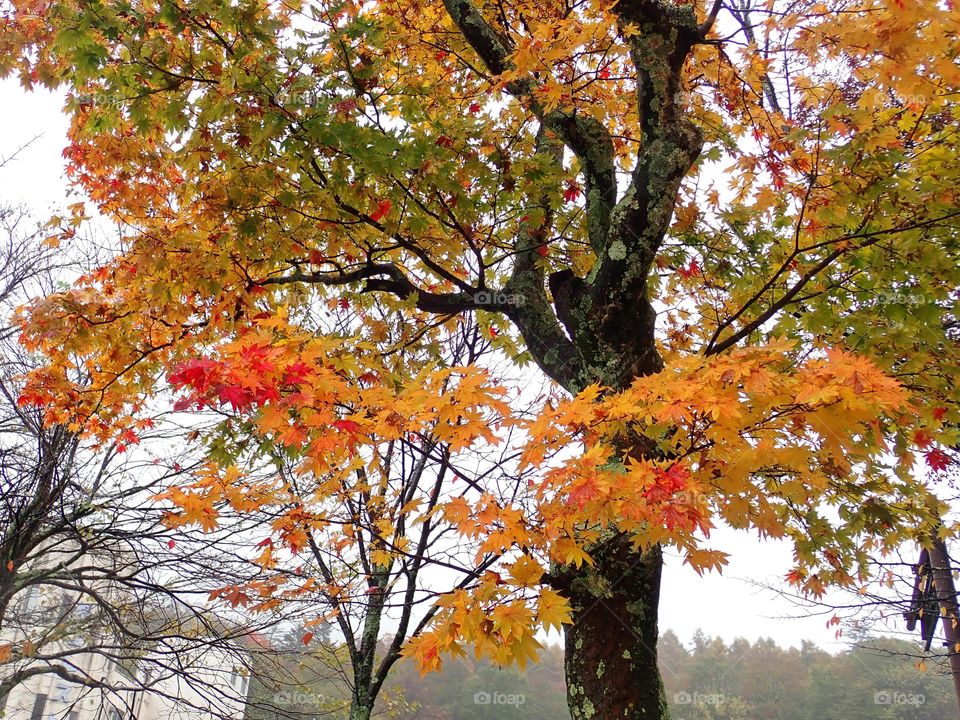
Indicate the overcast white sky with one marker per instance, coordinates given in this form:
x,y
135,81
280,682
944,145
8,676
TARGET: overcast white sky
x,y
728,606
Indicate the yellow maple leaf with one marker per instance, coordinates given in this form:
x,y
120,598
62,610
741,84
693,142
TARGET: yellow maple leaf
x,y
553,610
526,571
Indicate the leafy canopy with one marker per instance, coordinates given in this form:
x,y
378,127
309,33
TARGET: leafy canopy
x,y
307,190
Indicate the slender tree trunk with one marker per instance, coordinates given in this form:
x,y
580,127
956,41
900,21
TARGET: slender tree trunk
x,y
365,689
611,646
360,712
947,596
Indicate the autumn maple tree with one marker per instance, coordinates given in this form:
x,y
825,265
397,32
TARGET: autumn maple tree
x,y
727,231
362,526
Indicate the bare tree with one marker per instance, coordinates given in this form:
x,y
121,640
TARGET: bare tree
x,y
96,590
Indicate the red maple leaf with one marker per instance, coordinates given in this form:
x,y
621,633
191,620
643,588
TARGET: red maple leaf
x,y
129,437
922,438
346,426
674,517
265,394
296,373
572,191
185,402
28,399
235,596
383,207
668,482
238,397
795,577
583,493
345,107
937,460
195,373
676,477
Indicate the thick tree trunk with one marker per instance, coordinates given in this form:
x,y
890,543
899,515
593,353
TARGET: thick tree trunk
x,y
611,647
601,328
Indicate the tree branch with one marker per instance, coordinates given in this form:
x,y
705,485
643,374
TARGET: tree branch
x,y
586,137
385,277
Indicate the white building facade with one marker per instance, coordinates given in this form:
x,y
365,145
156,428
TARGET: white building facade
x,y
184,665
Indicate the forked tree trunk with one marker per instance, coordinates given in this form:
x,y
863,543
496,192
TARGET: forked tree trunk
x,y
611,646
601,328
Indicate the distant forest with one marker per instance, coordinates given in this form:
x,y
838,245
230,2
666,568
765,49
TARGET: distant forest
x,y
876,679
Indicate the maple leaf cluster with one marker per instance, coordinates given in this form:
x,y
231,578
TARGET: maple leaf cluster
x,y
304,213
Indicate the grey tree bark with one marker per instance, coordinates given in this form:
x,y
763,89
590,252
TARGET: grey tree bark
x,y
600,328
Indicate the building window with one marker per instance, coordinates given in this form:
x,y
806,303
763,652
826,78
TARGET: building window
x,y
31,599
74,642
239,681
61,692
83,609
39,703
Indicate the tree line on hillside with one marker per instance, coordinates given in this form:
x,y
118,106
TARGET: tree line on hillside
x,y
710,679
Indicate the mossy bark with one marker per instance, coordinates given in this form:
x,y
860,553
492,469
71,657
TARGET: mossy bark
x,y
360,712
366,686
611,647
